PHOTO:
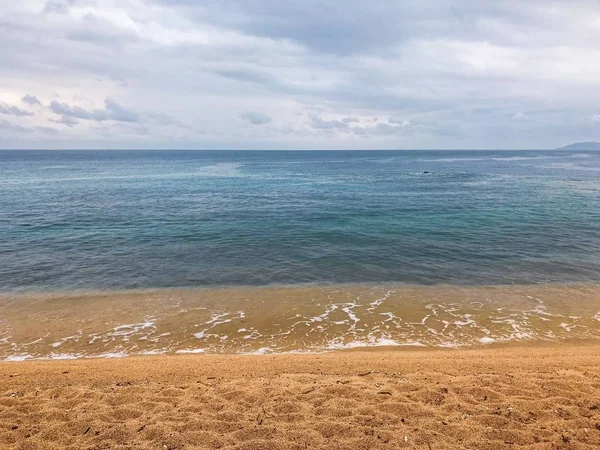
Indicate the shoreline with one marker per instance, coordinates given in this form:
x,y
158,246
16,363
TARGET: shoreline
x,y
292,319
531,397
76,292
366,348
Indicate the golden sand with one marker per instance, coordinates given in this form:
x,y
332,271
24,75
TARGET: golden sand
x,y
543,397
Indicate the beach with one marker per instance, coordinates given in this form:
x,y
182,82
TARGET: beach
x,y
347,366
273,225
536,397
291,319
290,300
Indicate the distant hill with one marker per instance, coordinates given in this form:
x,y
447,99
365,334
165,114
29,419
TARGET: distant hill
x,y
582,146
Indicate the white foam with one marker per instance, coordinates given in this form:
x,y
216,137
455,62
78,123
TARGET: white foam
x,y
129,329
112,355
389,315
260,351
487,340
450,345
215,317
95,337
63,356
17,358
422,322
567,327
152,352
325,315
467,321
348,310
191,351
373,305
372,342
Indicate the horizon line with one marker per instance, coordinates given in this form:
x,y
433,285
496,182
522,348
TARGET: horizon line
x,y
285,150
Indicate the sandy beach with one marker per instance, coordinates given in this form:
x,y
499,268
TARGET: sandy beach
x,y
537,397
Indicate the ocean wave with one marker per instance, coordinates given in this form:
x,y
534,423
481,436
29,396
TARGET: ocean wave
x,y
283,319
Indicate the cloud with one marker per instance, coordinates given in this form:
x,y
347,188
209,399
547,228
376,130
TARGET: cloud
x,y
76,112
12,110
57,6
117,112
256,118
66,120
48,130
250,76
112,111
166,120
323,124
402,122
30,100
7,126
595,118
447,74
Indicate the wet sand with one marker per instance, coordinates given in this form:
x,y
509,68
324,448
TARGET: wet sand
x,y
279,319
535,397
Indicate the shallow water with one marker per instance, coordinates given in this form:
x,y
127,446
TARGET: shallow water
x,y
280,319
128,220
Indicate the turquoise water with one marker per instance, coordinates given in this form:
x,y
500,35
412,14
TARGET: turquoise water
x,y
132,219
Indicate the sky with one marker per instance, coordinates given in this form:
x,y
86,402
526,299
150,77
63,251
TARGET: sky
x,y
301,74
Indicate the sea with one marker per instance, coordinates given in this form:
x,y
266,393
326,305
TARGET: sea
x,y
80,223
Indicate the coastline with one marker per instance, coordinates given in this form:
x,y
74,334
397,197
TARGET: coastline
x,y
292,319
532,396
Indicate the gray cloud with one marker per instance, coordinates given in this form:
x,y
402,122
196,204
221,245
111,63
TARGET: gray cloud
x,y
12,110
256,118
57,6
77,112
112,111
117,112
166,120
322,124
436,73
250,76
7,126
48,130
66,120
30,100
